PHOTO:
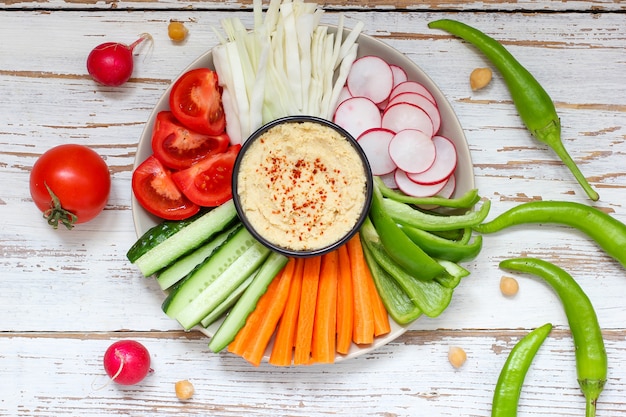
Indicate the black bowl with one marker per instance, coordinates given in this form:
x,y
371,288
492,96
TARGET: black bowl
x,y
284,249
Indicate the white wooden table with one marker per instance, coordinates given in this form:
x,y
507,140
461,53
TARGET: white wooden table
x,y
66,295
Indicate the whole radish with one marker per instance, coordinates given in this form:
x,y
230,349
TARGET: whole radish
x,y
127,362
111,63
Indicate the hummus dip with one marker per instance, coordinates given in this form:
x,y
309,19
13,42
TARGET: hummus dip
x,y
302,185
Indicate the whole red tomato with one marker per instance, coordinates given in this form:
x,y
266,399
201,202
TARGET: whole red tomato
x,y
70,184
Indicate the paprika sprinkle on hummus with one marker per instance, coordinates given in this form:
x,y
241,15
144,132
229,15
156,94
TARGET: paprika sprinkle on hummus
x,y
302,185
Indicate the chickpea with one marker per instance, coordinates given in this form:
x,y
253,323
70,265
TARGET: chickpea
x,y
479,78
184,390
457,356
509,286
177,31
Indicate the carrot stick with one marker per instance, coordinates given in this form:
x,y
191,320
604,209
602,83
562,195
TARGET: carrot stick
x,y
282,351
381,316
363,326
248,331
345,302
306,315
272,311
325,324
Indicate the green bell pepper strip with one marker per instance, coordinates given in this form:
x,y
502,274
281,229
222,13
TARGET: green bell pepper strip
x,y
398,245
608,232
591,358
467,200
511,379
533,103
406,215
430,296
438,247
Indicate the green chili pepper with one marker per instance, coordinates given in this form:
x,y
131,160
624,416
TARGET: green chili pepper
x,y
398,245
509,386
591,359
608,232
533,103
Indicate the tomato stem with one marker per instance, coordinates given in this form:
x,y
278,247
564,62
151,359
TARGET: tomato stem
x,y
56,213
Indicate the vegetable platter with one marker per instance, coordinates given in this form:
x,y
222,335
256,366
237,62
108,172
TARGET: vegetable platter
x,y
450,128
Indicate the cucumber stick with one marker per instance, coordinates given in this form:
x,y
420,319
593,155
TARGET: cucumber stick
x,y
238,315
182,267
227,303
186,239
213,281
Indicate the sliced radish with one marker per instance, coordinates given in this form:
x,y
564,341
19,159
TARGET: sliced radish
x,y
448,189
390,180
403,116
370,76
412,150
414,189
375,144
356,115
421,102
343,95
399,74
412,87
444,165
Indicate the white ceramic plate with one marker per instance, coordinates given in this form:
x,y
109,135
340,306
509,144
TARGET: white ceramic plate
x,y
450,127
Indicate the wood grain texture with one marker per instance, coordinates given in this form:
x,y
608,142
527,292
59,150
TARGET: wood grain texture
x,y
68,294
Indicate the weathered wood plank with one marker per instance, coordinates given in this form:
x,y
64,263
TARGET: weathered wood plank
x,y
409,377
443,5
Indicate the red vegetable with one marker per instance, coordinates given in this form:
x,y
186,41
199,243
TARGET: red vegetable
x,y
111,63
70,184
127,362
208,182
196,101
178,147
156,191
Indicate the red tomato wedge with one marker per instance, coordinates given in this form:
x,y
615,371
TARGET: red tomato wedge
x,y
208,182
178,147
196,101
157,193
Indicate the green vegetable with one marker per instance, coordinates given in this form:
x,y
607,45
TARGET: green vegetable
x,y
157,235
157,248
398,304
608,232
533,103
430,296
179,269
247,302
511,379
591,358
215,279
467,200
406,215
438,247
398,246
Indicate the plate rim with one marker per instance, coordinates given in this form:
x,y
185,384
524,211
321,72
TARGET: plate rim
x,y
372,46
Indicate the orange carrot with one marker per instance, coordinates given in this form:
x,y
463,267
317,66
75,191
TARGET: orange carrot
x,y
282,351
363,327
325,325
345,302
271,311
306,315
248,331
381,316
